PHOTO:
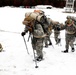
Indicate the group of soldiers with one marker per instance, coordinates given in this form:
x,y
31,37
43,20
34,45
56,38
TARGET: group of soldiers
x,y
40,28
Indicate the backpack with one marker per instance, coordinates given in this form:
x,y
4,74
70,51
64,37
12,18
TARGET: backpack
x,y
38,31
38,18
44,22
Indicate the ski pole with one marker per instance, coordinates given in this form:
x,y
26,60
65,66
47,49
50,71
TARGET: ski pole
x,y
75,41
25,44
29,37
52,46
36,66
60,42
35,59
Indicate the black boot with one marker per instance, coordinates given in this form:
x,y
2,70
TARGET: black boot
x,y
73,49
39,58
50,43
66,51
46,45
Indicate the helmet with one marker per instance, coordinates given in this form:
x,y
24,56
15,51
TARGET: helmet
x,y
69,21
68,17
73,18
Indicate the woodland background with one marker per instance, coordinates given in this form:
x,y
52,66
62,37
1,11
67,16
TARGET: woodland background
x,y
17,3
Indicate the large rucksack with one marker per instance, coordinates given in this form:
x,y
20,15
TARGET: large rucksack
x,y
38,18
44,22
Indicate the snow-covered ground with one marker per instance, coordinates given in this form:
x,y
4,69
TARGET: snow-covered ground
x,y
14,59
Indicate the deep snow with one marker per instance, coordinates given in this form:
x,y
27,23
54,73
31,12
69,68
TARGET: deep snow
x,y
14,59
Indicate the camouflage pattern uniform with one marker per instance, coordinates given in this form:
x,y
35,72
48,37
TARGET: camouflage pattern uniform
x,y
56,32
49,32
74,19
37,38
69,37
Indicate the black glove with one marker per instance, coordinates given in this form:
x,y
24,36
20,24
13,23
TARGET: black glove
x,y
23,33
58,28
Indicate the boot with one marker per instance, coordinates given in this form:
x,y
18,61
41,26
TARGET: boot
x,y
50,43
66,51
46,45
39,58
73,49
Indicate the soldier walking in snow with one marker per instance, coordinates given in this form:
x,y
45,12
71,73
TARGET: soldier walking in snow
x,y
74,19
49,32
56,32
69,37
33,23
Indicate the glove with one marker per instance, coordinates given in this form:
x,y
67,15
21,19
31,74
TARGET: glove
x,y
58,28
23,33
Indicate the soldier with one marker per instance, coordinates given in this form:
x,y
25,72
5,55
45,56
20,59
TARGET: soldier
x,y
1,48
70,37
49,32
56,32
74,19
35,28
68,17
